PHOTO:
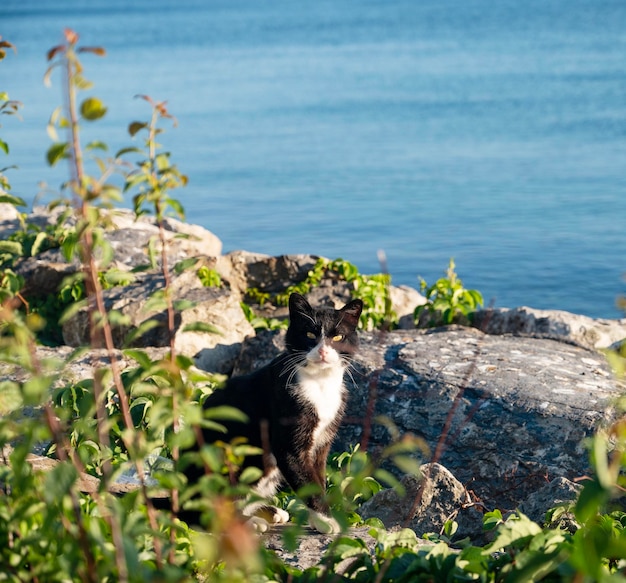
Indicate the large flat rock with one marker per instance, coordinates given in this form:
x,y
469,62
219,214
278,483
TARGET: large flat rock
x,y
518,408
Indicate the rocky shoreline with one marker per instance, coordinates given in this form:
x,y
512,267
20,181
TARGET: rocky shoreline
x,y
514,396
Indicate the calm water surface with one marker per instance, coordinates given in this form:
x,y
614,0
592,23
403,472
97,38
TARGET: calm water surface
x,y
493,132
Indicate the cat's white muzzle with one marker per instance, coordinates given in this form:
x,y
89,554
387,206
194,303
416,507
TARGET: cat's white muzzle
x,y
323,356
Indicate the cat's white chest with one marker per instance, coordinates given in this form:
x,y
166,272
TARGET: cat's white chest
x,y
323,392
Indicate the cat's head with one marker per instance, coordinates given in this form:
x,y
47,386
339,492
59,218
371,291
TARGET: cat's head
x,y
324,328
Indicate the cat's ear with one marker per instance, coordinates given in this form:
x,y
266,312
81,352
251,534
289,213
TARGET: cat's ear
x,y
298,305
351,312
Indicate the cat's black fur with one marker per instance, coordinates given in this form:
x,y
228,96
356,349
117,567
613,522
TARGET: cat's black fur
x,y
294,405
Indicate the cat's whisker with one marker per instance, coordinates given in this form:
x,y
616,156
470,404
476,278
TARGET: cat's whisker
x,y
292,365
348,373
348,361
350,367
295,360
292,373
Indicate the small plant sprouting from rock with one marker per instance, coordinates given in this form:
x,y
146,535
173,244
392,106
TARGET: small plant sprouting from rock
x,y
209,277
447,301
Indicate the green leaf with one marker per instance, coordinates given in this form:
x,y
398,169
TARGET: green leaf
x,y
115,277
116,318
69,246
177,207
81,83
491,520
202,327
136,126
10,397
162,161
40,239
250,475
184,362
142,329
477,297
59,481
600,460
130,150
225,413
156,303
13,247
34,389
135,179
450,528
591,500
11,199
345,547
386,477
181,305
72,310
4,146
92,109
407,464
56,152
245,449
405,538
185,264
518,529
170,480
96,145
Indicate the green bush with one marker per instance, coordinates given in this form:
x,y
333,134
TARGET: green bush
x,y
447,301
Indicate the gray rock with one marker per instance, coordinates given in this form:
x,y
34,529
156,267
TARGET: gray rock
x,y
518,408
404,300
267,273
555,324
128,236
217,307
558,492
513,409
427,503
310,546
214,352
259,350
9,215
11,221
44,273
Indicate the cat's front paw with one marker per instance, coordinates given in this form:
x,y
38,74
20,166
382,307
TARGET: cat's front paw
x,y
258,524
272,514
323,524
267,516
280,516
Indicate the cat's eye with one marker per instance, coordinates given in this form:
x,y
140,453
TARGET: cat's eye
x,y
338,338
311,335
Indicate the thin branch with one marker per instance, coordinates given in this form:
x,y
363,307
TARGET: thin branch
x,y
99,324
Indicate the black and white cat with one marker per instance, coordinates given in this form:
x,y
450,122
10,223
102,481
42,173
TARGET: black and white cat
x,y
294,406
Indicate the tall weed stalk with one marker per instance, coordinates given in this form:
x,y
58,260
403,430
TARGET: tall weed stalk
x,y
94,254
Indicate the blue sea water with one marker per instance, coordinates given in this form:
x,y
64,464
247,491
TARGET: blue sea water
x,y
493,132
